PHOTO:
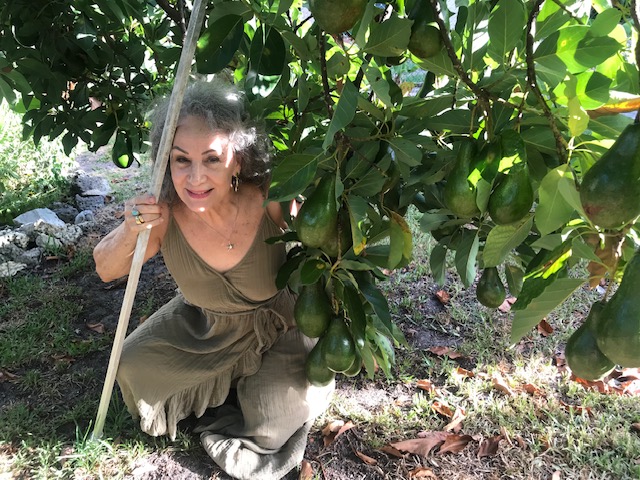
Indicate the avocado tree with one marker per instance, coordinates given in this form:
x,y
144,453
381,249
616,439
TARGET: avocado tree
x,y
503,122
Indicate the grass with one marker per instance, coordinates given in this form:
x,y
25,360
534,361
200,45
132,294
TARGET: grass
x,y
63,369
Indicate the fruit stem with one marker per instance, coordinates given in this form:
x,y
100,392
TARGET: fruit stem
x,y
323,71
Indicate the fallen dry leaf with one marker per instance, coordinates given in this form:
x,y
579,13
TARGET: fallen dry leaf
x,y
422,472
544,328
443,297
394,452
635,427
142,319
489,446
96,327
576,408
444,351
521,441
442,409
306,471
366,458
456,421
334,429
464,373
501,385
425,384
454,443
531,389
6,376
421,446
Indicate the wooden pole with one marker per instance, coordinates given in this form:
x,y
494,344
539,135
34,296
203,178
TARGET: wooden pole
x,y
160,166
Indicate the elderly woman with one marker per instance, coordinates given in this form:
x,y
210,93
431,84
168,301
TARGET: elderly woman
x,y
229,330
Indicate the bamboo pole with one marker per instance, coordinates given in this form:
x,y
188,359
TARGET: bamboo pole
x,y
160,166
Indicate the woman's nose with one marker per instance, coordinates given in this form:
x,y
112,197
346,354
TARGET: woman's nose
x,y
195,173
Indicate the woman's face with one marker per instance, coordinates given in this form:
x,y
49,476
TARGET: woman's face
x,y
202,163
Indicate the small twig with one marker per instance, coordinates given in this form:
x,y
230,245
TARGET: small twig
x,y
636,24
561,143
567,11
323,71
295,30
173,13
479,92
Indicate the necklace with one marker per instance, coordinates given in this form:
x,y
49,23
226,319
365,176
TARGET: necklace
x,y
230,245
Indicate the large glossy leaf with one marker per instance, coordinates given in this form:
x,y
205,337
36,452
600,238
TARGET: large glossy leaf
x,y
267,53
218,43
291,176
552,296
344,112
438,263
576,47
357,216
353,305
401,242
550,19
553,211
454,121
502,239
406,151
465,260
506,28
389,38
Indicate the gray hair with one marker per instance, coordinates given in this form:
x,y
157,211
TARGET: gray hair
x,y
222,106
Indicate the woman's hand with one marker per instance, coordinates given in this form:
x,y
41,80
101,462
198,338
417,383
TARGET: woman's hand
x,y
142,213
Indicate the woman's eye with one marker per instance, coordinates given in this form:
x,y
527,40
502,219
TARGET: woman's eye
x,y
181,160
213,159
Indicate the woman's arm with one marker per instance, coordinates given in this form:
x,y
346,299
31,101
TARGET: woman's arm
x,y
114,253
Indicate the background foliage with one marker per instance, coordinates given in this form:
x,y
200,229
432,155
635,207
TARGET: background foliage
x,y
546,79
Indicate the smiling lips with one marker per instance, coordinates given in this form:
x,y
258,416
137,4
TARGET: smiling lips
x,y
198,195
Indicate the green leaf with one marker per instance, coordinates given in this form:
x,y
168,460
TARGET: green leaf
x,y
401,242
406,151
291,176
7,92
389,38
502,239
540,138
311,271
550,19
592,89
438,264
466,254
218,44
285,271
379,84
506,28
552,296
353,306
582,250
376,299
344,112
454,121
577,48
578,118
357,207
605,22
440,64
553,211
267,52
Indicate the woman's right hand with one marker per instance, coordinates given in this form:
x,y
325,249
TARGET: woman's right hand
x,y
142,212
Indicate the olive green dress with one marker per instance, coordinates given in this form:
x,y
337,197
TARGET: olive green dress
x,y
225,329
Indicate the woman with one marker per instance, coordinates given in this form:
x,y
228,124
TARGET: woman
x,y
229,328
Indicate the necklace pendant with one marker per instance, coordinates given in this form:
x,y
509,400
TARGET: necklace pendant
x,y
230,246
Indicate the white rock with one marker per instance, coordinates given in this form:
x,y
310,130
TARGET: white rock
x,y
20,239
9,269
48,242
43,214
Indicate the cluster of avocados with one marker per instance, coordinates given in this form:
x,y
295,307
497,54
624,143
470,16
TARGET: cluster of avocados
x,y
610,198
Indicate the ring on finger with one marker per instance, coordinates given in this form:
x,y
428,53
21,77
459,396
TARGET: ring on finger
x,y
134,211
139,219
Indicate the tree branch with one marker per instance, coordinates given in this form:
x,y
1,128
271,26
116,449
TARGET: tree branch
x,y
323,71
481,94
561,143
173,14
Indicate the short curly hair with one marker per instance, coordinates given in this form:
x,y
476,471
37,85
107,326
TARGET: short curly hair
x,y
222,106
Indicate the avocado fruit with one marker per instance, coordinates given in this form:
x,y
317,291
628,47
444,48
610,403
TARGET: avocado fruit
x,y
338,347
490,290
317,220
316,369
312,310
584,357
459,193
618,329
610,189
342,240
512,197
337,16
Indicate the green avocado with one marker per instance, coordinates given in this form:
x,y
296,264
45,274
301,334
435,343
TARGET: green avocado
x,y
316,369
338,347
337,16
317,220
459,192
610,190
512,198
618,328
312,310
582,353
343,232
490,291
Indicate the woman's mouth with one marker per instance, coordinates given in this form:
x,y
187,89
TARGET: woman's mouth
x,y
198,194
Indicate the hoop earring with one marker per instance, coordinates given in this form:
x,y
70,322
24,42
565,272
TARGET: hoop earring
x,y
235,182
